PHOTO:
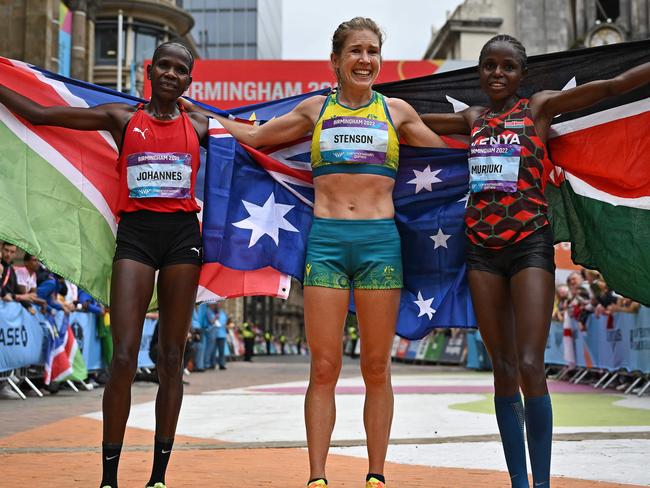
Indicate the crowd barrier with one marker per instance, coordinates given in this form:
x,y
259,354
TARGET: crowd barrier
x,y
439,347
23,338
612,343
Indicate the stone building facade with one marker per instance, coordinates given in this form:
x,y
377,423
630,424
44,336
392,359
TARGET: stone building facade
x,y
541,25
32,27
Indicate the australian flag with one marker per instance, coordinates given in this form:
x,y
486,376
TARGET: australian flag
x,y
431,188
258,213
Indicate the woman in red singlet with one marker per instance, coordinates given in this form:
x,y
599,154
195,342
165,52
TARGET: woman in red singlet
x,y
510,248
158,230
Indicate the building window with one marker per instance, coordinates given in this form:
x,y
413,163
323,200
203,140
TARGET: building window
x,y
106,42
146,41
608,10
224,29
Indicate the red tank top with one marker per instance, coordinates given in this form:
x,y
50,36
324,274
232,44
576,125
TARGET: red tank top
x,y
495,217
158,164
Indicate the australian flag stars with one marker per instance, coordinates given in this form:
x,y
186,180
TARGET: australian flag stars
x,y
430,197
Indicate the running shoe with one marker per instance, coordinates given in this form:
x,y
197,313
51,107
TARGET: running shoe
x,y
375,483
317,484
157,485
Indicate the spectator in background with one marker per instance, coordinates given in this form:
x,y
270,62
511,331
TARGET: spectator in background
x,y
562,299
27,282
267,340
625,305
198,341
230,327
9,289
353,338
212,322
52,288
606,301
26,274
591,275
298,342
248,335
576,284
221,333
86,303
603,297
72,296
581,305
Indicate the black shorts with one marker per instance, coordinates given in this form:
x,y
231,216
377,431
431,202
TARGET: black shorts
x,y
159,239
534,251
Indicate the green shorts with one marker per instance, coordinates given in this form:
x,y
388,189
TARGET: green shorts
x,y
361,254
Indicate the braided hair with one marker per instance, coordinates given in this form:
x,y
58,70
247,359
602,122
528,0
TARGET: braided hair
x,y
518,47
157,54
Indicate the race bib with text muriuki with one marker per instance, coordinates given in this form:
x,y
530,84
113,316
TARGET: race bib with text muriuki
x,y
354,139
494,167
159,175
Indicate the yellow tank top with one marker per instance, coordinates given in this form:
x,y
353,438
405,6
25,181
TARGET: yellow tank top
x,y
359,140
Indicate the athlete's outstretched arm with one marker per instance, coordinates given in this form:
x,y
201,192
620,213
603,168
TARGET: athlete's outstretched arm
x,y
111,116
410,126
286,128
456,123
551,103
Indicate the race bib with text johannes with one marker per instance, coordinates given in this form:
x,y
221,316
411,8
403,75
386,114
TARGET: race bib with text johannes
x,y
160,175
354,139
494,167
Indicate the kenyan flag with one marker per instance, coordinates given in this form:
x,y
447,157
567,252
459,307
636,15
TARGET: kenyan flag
x,y
602,203
600,191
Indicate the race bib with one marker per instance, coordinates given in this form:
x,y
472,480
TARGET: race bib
x,y
494,167
159,175
354,139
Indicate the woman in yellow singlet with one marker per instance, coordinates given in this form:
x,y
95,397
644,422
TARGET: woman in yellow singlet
x,y
353,242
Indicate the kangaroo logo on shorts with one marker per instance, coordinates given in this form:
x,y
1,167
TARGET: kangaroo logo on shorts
x,y
389,270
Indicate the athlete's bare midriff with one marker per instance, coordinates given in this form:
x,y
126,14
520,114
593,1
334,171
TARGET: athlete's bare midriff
x,y
354,196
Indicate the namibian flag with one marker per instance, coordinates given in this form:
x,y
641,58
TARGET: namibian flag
x,y
61,349
58,191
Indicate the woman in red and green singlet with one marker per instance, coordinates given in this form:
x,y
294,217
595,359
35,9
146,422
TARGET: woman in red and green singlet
x,y
510,256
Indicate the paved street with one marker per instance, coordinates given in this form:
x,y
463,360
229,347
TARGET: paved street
x,y
243,428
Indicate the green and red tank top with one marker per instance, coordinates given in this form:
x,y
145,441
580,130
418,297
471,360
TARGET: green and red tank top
x,y
509,167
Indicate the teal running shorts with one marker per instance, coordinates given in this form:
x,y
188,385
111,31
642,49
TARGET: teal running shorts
x,y
360,254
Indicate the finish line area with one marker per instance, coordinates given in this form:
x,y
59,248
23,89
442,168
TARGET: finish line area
x,y
244,426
